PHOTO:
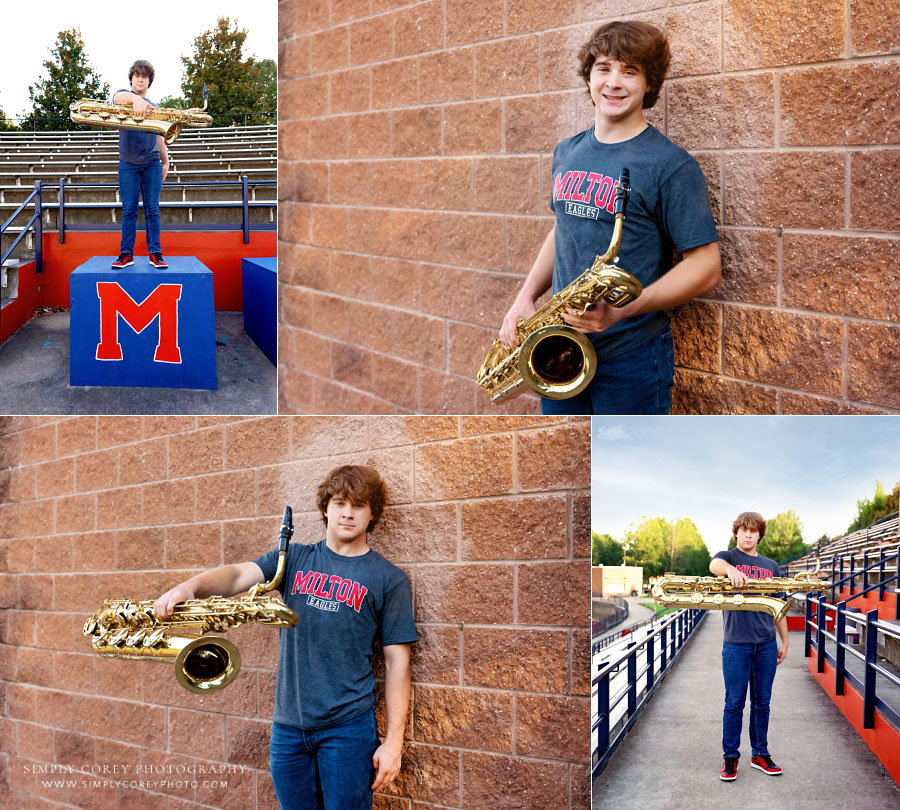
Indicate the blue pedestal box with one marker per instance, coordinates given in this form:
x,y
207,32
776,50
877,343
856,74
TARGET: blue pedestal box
x,y
141,326
261,304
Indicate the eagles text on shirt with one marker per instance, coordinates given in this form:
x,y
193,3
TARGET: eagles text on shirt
x,y
327,592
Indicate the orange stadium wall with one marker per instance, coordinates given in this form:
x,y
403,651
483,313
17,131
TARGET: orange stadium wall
x,y
17,312
489,517
883,739
415,143
220,251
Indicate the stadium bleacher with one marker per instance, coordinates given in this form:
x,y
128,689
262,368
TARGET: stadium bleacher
x,y
84,157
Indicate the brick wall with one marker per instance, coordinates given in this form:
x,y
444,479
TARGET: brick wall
x,y
488,516
415,146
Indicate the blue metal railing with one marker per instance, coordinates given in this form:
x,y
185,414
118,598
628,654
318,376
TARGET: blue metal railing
x,y
35,222
866,685
596,646
619,614
640,683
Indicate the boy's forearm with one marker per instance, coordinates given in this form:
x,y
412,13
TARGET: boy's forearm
x,y
396,698
782,629
126,97
693,276
221,581
719,567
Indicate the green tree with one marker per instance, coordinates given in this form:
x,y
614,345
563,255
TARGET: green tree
x,y
173,101
605,550
69,78
265,86
660,546
878,506
784,537
217,61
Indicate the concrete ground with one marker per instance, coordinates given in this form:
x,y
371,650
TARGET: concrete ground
x,y
34,376
673,754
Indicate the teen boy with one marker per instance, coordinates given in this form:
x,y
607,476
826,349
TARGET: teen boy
x,y
624,65
143,165
324,750
750,652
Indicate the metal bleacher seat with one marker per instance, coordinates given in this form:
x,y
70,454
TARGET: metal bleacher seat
x,y
91,157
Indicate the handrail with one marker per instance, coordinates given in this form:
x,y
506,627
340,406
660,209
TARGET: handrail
x,y
682,625
867,684
35,221
244,203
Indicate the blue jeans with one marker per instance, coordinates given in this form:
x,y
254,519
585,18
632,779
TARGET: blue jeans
x,y
327,768
144,180
637,382
743,665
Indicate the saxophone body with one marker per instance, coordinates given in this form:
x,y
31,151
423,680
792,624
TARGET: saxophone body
x,y
122,628
165,121
552,358
717,593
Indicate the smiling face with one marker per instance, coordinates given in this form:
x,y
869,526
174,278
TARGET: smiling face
x,y
747,540
617,89
347,521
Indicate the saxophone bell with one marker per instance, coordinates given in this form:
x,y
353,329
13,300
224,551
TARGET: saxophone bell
x,y
558,362
207,664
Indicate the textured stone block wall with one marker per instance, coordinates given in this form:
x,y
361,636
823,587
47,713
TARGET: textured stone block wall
x,y
415,143
488,516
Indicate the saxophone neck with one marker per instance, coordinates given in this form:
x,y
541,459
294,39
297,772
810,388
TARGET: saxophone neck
x,y
284,537
623,192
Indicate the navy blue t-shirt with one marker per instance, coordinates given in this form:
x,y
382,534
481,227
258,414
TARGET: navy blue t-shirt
x,y
668,207
749,626
325,672
137,147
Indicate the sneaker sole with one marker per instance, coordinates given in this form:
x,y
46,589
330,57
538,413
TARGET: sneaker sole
x,y
120,266
768,773
727,778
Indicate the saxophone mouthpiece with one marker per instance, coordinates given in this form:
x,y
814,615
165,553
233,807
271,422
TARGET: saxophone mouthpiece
x,y
623,191
205,91
287,529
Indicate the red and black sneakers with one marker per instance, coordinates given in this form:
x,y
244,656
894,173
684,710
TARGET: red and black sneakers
x,y
124,260
729,770
766,765
157,260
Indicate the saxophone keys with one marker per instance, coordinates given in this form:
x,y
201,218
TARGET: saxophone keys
x,y
718,598
154,638
117,637
135,638
739,599
696,597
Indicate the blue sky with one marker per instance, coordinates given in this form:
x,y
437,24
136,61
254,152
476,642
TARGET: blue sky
x,y
115,34
711,468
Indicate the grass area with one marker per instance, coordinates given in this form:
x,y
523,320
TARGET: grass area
x,y
661,610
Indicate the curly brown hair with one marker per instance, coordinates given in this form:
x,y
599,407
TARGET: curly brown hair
x,y
749,520
143,67
359,484
635,43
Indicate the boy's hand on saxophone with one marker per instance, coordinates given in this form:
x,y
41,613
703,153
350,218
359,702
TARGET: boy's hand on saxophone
x,y
163,607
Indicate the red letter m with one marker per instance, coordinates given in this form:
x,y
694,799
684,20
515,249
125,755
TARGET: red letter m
x,y
162,302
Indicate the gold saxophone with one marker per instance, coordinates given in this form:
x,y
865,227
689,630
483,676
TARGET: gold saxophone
x,y
717,593
165,121
552,358
125,629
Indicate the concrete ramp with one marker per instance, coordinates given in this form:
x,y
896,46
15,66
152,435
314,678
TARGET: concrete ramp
x,y
672,756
